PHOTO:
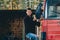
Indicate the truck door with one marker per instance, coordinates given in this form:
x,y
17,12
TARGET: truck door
x,y
51,23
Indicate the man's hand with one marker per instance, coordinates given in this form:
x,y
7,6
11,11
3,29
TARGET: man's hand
x,y
42,18
34,18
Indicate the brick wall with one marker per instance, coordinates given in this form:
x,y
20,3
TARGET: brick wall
x,y
17,27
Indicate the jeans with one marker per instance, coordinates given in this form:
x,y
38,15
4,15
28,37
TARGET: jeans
x,y
32,36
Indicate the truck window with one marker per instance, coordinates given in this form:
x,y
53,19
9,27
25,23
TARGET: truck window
x,y
53,9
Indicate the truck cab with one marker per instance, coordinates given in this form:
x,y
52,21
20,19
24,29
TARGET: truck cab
x,y
50,28
51,22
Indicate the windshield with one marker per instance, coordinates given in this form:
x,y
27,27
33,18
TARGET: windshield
x,y
53,9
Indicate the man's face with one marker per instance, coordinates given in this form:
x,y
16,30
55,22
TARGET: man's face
x,y
29,12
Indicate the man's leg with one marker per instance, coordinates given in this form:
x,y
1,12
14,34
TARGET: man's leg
x,y
32,36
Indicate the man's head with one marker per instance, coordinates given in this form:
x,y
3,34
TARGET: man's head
x,y
29,11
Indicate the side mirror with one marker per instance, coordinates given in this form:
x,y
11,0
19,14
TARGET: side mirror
x,y
38,11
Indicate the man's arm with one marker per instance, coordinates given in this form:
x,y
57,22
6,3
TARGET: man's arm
x,y
37,21
41,18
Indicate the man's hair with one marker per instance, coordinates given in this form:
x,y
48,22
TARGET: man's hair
x,y
28,8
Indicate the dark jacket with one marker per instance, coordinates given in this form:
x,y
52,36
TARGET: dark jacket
x,y
29,24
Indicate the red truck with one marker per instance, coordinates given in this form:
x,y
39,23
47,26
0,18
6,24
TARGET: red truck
x,y
51,21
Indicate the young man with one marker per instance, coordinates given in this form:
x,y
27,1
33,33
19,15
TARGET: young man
x,y
30,24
